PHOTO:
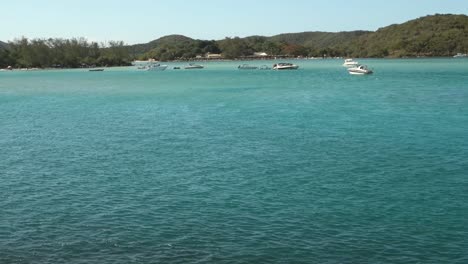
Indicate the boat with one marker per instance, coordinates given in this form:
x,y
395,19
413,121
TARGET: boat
x,y
360,70
149,65
461,55
156,67
285,66
96,70
192,66
142,64
247,67
176,68
350,63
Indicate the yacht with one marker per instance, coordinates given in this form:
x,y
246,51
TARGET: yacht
x,y
156,67
193,66
247,67
350,63
360,70
285,66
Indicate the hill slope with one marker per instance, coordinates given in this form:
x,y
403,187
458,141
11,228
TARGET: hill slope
x,y
318,39
166,40
435,35
3,45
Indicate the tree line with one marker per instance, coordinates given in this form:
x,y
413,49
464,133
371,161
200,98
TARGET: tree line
x,y
63,53
437,35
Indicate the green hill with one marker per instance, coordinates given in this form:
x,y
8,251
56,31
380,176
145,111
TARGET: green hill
x,y
173,47
166,40
318,39
435,35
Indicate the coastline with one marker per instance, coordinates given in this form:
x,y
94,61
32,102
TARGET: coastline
x,y
241,59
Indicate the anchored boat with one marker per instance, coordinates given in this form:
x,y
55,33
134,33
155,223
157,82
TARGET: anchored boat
x,y
285,66
360,70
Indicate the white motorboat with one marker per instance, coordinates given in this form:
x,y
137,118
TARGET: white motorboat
x,y
149,65
350,63
285,66
247,67
360,70
156,67
193,66
460,55
142,64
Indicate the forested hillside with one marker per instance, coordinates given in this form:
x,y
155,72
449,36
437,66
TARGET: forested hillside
x,y
438,35
435,35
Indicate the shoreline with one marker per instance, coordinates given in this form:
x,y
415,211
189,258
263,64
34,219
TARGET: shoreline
x,y
221,60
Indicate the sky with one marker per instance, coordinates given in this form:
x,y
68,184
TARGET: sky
x,y
141,21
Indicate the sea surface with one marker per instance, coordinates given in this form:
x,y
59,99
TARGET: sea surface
x,y
222,165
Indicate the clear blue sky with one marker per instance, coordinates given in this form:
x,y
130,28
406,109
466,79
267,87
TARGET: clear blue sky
x,y
140,21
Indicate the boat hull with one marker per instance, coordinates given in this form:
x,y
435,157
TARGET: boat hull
x,y
247,67
350,65
360,72
157,68
286,68
194,67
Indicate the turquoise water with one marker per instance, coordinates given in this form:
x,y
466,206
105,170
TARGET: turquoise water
x,y
227,166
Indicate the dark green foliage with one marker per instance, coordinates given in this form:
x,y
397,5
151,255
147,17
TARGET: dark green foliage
x,y
70,53
437,35
318,40
173,47
6,58
3,45
235,47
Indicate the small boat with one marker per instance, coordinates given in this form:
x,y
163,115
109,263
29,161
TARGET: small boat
x,y
247,67
193,66
360,70
143,63
285,66
96,70
264,67
350,63
460,55
176,68
156,67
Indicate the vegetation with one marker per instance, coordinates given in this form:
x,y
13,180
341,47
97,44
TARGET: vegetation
x,y
3,45
69,53
436,35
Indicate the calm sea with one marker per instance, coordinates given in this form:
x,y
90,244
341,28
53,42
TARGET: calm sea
x,y
227,166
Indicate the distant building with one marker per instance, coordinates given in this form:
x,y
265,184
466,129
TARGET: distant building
x,y
260,54
214,56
